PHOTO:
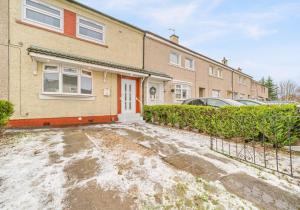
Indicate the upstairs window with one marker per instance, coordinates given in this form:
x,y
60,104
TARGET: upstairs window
x,y
242,80
175,59
90,30
211,71
215,72
189,64
43,14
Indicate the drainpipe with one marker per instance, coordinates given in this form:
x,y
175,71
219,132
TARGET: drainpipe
x,y
143,95
232,83
144,37
143,80
8,52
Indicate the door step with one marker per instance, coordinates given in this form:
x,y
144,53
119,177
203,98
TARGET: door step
x,y
130,118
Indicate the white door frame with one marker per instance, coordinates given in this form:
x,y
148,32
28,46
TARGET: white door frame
x,y
128,100
160,92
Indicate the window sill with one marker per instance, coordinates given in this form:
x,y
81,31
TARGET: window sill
x,y
46,96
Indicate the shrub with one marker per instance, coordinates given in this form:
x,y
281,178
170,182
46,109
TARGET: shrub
x,y
276,123
6,110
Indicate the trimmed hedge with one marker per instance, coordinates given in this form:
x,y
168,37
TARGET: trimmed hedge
x,y
247,122
6,110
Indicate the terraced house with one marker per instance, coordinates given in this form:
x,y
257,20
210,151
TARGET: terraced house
x,y
65,63
194,74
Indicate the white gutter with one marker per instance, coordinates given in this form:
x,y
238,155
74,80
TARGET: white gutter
x,y
94,66
160,78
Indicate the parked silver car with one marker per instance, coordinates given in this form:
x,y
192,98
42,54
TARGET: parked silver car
x,y
214,102
250,102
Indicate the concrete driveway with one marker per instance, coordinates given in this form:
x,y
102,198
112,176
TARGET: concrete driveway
x,y
131,166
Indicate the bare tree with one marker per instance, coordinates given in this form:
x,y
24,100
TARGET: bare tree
x,y
287,90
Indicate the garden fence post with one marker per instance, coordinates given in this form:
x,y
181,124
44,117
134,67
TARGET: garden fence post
x,y
264,144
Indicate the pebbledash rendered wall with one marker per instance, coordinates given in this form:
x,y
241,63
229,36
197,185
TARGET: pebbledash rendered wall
x,y
4,80
123,45
157,51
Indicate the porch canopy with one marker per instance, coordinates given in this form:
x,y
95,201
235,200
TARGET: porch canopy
x,y
47,55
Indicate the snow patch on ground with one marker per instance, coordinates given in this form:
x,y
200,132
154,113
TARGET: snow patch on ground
x,y
199,145
36,184
152,177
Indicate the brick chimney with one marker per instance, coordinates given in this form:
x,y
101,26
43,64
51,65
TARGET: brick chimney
x,y
225,61
174,38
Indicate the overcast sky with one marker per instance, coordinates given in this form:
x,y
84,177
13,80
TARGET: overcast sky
x,y
260,36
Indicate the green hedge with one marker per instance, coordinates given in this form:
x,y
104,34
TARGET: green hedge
x,y
247,122
6,110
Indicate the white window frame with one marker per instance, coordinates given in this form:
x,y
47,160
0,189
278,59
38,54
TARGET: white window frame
x,y
86,76
183,86
61,72
215,72
220,73
51,71
216,91
242,80
44,25
179,59
78,24
211,71
186,62
71,74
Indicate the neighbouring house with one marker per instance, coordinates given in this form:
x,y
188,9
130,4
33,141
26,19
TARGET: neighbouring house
x,y
194,74
64,63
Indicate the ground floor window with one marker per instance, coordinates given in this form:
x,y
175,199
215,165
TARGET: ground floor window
x,y
216,93
66,80
182,91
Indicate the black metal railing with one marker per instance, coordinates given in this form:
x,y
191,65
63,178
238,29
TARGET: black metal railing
x,y
264,151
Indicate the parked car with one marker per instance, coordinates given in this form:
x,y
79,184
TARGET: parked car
x,y
250,102
214,102
280,102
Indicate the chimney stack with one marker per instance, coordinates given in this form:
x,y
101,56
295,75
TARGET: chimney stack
x,y
225,61
174,38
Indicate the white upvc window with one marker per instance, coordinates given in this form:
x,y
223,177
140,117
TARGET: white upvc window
x,y
86,82
90,30
215,72
70,80
189,64
44,15
175,59
182,92
242,80
51,79
216,93
211,71
219,73
64,80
